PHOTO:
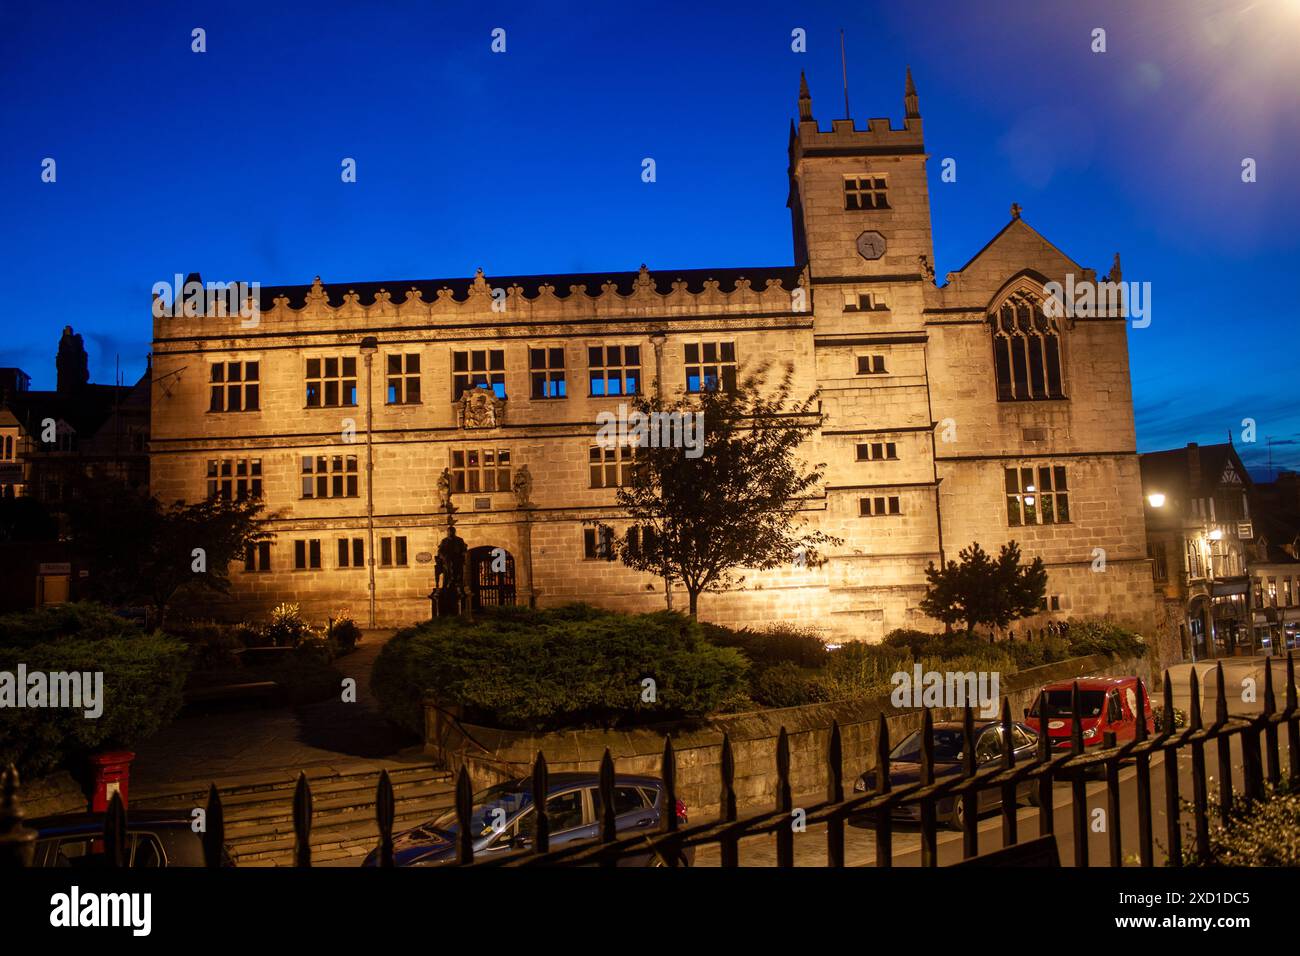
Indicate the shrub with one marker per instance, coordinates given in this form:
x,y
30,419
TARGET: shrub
x,y
1265,833
1037,653
786,684
210,644
142,679
1102,637
780,643
316,643
574,666
287,627
343,630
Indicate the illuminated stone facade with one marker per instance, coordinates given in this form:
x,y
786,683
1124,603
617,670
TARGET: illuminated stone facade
x,y
917,424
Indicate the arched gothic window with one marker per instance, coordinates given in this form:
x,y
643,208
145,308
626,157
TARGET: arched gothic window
x,y
1026,351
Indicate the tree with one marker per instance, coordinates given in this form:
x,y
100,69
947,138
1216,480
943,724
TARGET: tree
x,y
984,590
138,551
730,499
26,520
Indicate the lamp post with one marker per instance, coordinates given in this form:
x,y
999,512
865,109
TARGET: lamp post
x,y
369,346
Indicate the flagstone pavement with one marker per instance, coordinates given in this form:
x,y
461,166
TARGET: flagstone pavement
x,y
253,745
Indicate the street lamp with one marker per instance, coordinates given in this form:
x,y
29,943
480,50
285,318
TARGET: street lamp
x,y
1156,499
369,346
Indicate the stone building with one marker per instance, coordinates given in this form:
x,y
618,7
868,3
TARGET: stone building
x,y
953,413
1200,531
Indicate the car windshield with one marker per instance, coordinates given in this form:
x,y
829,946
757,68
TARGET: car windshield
x,y
947,746
492,809
1056,703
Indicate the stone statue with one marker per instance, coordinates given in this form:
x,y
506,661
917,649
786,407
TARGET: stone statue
x,y
522,486
449,574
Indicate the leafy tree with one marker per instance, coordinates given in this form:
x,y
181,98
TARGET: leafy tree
x,y
985,590
26,519
737,503
139,551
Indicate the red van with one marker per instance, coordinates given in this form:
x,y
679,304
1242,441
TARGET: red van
x,y
1105,703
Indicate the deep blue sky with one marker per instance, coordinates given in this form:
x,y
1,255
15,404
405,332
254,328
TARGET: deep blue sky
x,y
228,162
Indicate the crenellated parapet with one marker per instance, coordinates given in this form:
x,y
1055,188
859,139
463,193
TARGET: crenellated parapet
x,y
485,299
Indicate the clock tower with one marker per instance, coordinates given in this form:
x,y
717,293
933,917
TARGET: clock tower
x,y
858,198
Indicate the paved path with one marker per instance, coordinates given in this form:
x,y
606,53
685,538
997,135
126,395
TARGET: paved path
x,y
253,744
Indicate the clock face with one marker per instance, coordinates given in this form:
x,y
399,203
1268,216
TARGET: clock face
x,y
871,245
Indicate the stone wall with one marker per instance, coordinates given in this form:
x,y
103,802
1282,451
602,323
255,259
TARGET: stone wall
x,y
493,756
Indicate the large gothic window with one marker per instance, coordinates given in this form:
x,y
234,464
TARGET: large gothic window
x,y
1026,351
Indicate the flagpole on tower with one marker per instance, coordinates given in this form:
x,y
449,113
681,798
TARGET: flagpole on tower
x,y
844,71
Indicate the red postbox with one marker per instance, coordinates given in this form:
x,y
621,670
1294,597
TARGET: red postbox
x,y
112,769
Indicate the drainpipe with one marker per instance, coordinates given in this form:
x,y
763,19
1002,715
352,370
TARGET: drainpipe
x,y
370,345
657,340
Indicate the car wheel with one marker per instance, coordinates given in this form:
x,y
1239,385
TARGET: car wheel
x,y
956,817
1032,795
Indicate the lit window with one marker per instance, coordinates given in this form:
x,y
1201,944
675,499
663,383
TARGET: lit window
x,y
614,369
331,382
478,367
546,369
710,365
1037,495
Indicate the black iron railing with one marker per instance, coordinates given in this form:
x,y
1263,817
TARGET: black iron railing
x,y
727,832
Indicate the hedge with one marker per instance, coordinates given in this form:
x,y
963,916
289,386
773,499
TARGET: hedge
x,y
142,682
573,666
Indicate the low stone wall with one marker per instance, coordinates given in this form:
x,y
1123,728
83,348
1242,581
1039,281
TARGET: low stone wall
x,y
493,756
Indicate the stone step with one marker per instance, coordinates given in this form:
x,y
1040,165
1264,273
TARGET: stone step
x,y
240,803
275,786
355,837
246,818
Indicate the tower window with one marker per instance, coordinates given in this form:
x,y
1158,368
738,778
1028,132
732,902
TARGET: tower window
x,y
1026,352
877,451
877,506
1037,495
871,365
865,192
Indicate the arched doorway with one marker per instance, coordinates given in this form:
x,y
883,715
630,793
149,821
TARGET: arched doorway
x,y
492,577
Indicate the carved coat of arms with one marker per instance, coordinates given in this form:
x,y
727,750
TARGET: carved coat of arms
x,y
481,408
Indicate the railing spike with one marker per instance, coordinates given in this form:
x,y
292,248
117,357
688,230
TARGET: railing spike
x,y
385,814
464,816
214,830
115,833
302,821
541,790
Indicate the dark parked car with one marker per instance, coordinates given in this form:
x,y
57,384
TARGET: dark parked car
x,y
504,819
949,757
153,838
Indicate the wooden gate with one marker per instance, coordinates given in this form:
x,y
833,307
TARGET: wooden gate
x,y
488,585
